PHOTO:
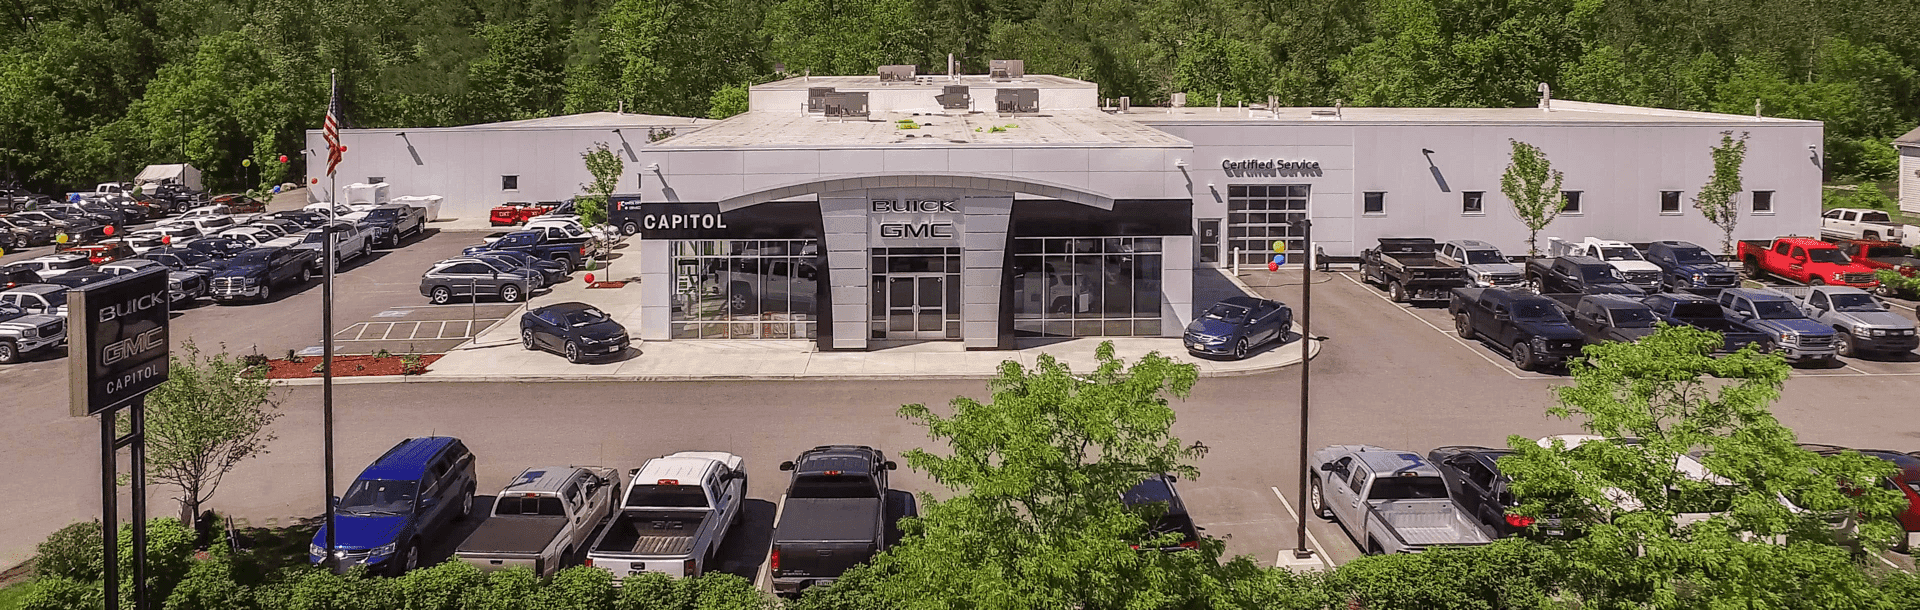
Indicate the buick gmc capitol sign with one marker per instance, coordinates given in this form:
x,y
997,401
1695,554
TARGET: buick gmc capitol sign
x,y
118,341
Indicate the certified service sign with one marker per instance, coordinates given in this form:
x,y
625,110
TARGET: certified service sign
x,y
117,340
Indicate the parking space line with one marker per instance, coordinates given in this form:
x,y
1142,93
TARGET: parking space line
x,y
1849,366
1456,338
1319,550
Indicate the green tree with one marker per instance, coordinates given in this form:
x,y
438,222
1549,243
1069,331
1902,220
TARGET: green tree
x,y
605,166
1533,187
728,101
1755,532
1718,199
212,413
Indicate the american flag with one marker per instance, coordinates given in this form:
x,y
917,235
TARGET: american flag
x,y
332,129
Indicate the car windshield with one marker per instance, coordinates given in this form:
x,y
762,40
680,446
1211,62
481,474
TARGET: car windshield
x,y
667,496
1854,302
67,264
1484,257
547,506
382,214
1776,310
585,316
1620,254
252,257
1230,313
833,487
55,298
1537,311
1692,256
495,265
315,237
1828,255
1597,273
1407,488
378,497
1632,318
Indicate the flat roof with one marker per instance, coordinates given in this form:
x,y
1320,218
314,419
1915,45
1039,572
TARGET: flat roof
x,y
591,119
928,82
1563,111
788,129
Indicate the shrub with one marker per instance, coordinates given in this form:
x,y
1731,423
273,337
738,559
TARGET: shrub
x,y
653,591
60,593
210,585
503,590
578,588
439,587
72,553
170,546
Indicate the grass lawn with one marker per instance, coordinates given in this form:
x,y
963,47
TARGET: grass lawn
x,y
13,595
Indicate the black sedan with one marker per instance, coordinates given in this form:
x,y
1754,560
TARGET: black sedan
x,y
1238,325
1169,518
578,331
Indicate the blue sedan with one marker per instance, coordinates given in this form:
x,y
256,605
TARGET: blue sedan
x,y
1237,326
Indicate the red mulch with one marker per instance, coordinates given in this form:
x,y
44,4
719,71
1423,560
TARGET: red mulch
x,y
606,285
343,366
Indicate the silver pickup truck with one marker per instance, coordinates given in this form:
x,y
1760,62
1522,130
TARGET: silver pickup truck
x,y
1861,323
543,519
1389,501
677,511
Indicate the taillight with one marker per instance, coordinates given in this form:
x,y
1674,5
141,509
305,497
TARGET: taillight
x,y
1190,544
691,566
1519,520
773,560
589,562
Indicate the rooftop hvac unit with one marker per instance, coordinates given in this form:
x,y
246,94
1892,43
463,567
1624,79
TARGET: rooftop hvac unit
x,y
1008,69
817,98
897,74
1126,103
955,97
1179,100
846,104
1010,101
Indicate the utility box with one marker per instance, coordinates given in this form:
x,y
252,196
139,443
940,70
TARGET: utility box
x,y
1015,101
1008,69
955,97
846,104
817,98
898,73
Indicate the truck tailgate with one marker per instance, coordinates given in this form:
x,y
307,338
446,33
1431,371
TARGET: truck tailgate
x,y
821,559
513,534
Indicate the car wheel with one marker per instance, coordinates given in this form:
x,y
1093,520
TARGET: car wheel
x,y
573,352
740,299
305,274
9,353
266,292
466,505
526,338
1751,269
413,557
565,263
1318,500
1398,291
1523,356
1463,325
510,293
1885,290
1533,284
1843,343
441,295
1814,280
629,228
1240,349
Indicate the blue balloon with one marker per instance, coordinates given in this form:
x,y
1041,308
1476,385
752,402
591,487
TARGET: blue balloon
x,y
73,198
1279,259
276,190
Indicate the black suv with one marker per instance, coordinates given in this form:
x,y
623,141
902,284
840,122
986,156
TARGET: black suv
x,y
1158,489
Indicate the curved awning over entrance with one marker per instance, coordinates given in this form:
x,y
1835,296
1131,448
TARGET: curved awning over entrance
x,y
983,182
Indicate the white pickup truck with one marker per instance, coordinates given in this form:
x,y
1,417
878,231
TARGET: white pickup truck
x,y
676,512
543,519
1855,223
1389,501
1625,259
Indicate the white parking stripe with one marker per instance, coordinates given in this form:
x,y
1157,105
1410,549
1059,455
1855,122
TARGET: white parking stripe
x,y
1449,334
1319,551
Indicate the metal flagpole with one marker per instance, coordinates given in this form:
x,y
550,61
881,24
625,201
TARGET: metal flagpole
x,y
326,332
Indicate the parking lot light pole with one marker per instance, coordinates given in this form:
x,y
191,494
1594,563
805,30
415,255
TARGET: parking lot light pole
x,y
1300,550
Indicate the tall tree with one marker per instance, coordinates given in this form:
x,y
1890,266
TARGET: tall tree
x,y
211,414
606,167
1533,187
1718,199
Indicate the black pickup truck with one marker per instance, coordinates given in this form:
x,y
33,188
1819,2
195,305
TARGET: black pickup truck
x,y
1530,327
1407,267
836,515
1607,317
1577,275
252,274
568,253
394,222
1706,314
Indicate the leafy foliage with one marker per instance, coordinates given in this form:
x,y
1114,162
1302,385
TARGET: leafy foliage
x,y
1533,186
1717,198
72,552
605,166
212,413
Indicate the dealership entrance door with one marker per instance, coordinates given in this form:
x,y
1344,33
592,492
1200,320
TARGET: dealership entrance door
x,y
916,306
916,294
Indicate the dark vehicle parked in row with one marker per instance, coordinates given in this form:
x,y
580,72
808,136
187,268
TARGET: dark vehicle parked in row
x,y
398,504
1788,329
186,259
552,272
218,248
76,279
1237,326
537,244
576,330
1705,314
1530,327
254,273
1168,514
1408,268
1577,275
1609,317
395,222
834,517
15,275
1479,488
1685,266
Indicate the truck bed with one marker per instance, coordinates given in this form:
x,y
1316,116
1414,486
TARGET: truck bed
x,y
1429,522
513,535
828,520
652,533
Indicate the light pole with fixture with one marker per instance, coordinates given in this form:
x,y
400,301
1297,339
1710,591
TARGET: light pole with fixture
x,y
1300,550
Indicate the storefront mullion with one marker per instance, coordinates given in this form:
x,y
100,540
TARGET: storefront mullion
x,y
1087,287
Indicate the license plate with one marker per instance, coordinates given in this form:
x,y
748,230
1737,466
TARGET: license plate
x,y
1554,532
638,566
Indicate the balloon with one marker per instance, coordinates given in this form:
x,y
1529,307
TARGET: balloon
x,y
316,180
1279,259
343,148
1279,245
246,163
589,279
276,189
61,238
283,158
166,240
107,230
1273,266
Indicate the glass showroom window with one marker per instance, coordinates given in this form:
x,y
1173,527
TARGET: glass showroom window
x,y
1086,286
745,288
1257,216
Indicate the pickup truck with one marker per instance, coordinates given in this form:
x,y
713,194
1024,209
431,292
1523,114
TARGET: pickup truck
x,y
349,242
1622,256
181,285
677,511
23,333
1704,313
538,244
1788,329
1856,223
834,516
1879,255
543,519
1804,260
1608,317
1577,275
515,212
1532,328
1861,323
1486,266
394,222
253,274
1406,266
1389,501
1685,266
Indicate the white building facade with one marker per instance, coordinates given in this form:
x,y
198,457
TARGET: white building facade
x,y
1909,148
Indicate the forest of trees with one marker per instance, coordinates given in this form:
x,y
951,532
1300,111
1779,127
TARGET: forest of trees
x,y
91,90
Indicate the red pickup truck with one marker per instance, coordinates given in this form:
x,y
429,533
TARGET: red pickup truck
x,y
515,212
1805,260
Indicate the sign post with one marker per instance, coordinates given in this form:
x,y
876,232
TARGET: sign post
x,y
118,348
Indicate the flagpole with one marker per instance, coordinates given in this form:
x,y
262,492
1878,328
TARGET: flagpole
x,y
326,327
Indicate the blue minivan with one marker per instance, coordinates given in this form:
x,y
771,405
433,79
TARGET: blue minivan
x,y
399,502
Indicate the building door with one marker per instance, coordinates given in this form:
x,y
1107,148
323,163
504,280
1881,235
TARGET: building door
x,y
1210,240
916,306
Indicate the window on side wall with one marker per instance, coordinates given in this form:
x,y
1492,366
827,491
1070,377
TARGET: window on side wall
x,y
1374,202
376,179
1669,202
1570,202
509,183
1473,202
1763,202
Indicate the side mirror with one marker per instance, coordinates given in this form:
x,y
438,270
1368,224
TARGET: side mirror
x,y
1173,478
633,471
786,466
890,465
1327,467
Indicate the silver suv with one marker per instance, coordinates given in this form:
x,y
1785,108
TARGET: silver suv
x,y
472,277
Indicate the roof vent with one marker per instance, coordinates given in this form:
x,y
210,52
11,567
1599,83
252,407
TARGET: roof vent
x,y
1179,100
955,97
1013,101
1126,103
1008,69
897,73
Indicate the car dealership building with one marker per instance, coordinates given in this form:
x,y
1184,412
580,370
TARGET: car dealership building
x,y
863,213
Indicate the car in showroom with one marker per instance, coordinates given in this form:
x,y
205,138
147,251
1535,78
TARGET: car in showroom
x,y
579,331
1238,325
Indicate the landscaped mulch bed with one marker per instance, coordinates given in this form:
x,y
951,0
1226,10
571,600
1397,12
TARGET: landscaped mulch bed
x,y
345,366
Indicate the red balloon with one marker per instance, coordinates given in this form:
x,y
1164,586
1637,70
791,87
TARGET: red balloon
x,y
589,278
166,240
316,180
108,230
343,148
283,158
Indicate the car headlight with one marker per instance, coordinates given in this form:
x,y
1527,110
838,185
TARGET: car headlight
x,y
1698,278
315,550
1787,337
1837,275
1878,332
383,550
1864,331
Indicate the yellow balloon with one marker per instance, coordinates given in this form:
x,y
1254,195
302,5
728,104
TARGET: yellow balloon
x,y
1280,246
62,238
246,163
